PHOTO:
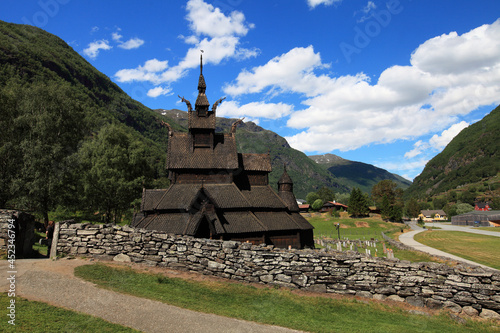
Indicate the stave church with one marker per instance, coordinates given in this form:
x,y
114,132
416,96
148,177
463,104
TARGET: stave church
x,y
218,193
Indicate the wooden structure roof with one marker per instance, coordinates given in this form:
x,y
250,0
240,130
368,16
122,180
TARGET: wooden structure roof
x,y
216,192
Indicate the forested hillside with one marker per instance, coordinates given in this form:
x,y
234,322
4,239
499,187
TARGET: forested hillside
x,y
54,107
472,156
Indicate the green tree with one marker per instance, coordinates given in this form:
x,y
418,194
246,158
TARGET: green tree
x,y
312,197
343,198
383,188
317,205
452,196
51,123
358,203
326,194
412,208
462,208
438,202
114,167
468,197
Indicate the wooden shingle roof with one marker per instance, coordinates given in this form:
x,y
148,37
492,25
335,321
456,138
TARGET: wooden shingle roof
x,y
181,155
256,162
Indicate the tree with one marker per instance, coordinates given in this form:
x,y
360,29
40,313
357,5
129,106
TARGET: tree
x,y
343,198
438,203
412,208
51,123
468,197
385,188
311,197
114,166
317,205
358,203
326,194
462,208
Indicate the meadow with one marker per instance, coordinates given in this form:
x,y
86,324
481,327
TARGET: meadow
x,y
479,248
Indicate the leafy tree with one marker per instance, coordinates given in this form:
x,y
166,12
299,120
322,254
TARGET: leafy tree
x,y
317,204
412,208
468,197
452,196
462,208
438,203
114,167
326,194
495,203
51,123
384,188
312,197
358,203
343,198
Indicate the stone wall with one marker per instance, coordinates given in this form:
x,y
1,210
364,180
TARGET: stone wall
x,y
468,289
24,231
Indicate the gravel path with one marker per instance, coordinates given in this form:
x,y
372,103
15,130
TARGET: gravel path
x,y
407,239
53,282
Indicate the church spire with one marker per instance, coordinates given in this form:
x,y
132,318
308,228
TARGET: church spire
x,y
201,104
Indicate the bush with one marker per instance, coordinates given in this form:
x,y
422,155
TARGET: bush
x,y
317,204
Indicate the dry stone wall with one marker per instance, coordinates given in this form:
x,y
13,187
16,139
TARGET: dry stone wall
x,y
460,289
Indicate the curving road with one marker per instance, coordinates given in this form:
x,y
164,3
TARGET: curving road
x,y
407,239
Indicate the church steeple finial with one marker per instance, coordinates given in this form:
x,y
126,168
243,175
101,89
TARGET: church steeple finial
x,y
202,104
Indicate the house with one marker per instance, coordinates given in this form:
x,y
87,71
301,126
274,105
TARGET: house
x,y
433,215
304,208
482,206
218,193
330,206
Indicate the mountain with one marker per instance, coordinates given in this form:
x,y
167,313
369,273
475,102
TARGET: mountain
x,y
357,174
31,58
251,138
472,156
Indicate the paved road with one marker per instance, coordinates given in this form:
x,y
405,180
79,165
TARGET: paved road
x,y
53,282
447,226
407,239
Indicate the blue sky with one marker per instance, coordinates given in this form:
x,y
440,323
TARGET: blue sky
x,y
385,82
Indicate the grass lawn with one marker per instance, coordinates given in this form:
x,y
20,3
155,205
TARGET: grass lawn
x,y
272,306
40,317
478,248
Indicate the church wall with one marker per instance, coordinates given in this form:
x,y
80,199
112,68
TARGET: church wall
x,y
347,273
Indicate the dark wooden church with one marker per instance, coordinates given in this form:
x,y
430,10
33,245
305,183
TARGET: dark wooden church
x,y
218,193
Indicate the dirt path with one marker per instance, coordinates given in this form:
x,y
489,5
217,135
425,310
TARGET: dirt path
x,y
53,282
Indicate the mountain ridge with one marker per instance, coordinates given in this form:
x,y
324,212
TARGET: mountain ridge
x,y
357,174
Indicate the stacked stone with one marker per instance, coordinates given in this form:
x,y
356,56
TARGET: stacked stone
x,y
433,285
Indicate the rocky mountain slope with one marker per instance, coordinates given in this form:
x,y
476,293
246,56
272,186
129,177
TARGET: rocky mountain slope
x,y
357,174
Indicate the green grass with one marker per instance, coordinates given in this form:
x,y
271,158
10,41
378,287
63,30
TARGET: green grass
x,y
272,306
479,248
40,317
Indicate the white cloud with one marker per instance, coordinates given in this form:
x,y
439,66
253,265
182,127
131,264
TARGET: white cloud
x,y
213,31
92,51
116,36
254,110
438,142
449,76
132,43
313,3
157,91
205,19
147,72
